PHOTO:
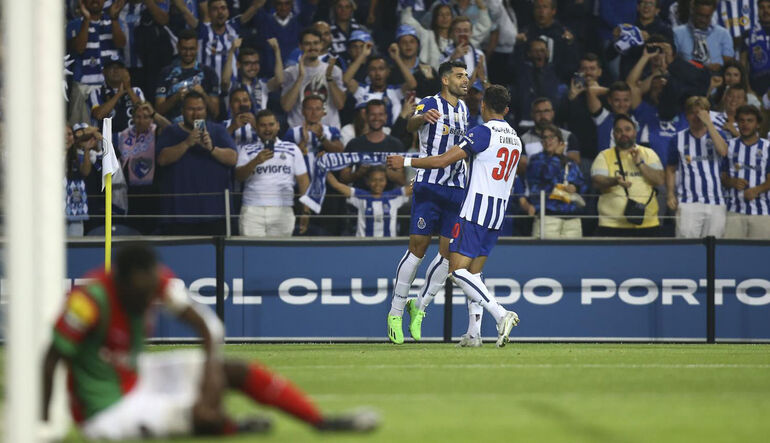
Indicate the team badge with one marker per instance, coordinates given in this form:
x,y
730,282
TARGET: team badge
x,y
283,156
421,223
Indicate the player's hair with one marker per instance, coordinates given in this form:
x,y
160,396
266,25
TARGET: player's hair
x,y
193,95
187,34
619,86
623,117
131,258
696,102
556,131
312,97
309,30
456,21
264,113
446,67
749,109
539,100
375,102
497,97
247,52
239,90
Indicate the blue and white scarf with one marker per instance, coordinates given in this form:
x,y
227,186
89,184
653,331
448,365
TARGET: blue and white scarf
x,y
335,161
630,36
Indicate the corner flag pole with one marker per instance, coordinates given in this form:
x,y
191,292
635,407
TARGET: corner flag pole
x,y
110,164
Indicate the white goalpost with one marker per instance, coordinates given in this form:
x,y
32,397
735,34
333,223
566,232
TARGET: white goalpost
x,y
33,111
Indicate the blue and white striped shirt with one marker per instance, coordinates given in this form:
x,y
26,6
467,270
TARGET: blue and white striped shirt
x,y
314,145
130,17
493,151
87,68
435,139
738,16
213,47
257,89
377,216
751,163
698,165
245,135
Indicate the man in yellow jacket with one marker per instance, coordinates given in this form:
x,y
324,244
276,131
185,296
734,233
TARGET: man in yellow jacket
x,y
627,171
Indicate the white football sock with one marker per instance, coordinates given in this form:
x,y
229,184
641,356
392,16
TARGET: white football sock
x,y
476,290
475,314
434,281
407,269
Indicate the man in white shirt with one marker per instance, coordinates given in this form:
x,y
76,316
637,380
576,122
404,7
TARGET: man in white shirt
x,y
311,76
269,169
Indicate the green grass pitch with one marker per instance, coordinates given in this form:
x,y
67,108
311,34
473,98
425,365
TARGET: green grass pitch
x,y
526,392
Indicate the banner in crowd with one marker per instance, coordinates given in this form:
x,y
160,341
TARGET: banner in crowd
x,y
562,291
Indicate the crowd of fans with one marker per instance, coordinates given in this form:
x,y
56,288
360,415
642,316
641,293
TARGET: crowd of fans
x,y
649,114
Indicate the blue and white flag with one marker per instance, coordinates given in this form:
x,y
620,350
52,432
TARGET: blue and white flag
x,y
335,161
630,36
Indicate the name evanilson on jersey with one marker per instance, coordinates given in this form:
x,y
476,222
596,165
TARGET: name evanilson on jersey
x,y
273,169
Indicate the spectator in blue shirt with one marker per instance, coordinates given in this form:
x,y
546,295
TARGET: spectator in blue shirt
x,y
700,41
560,178
284,25
195,162
377,208
91,39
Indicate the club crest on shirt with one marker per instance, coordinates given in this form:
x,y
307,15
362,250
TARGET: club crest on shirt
x,y
444,130
421,223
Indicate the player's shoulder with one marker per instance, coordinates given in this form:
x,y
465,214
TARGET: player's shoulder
x,y
427,103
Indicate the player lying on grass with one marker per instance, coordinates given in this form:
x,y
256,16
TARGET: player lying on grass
x,y
118,392
493,150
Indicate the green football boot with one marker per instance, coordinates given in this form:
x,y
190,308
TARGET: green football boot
x,y
395,330
415,319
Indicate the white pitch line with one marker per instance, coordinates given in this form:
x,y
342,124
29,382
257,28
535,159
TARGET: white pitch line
x,y
538,366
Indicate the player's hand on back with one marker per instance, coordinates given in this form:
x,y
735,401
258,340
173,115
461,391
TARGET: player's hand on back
x,y
395,161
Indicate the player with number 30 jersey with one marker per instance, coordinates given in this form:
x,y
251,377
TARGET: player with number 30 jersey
x,y
493,151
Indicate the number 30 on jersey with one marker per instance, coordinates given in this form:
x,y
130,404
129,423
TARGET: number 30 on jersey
x,y
509,159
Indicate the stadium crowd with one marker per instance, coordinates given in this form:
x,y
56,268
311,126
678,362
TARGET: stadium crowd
x,y
661,103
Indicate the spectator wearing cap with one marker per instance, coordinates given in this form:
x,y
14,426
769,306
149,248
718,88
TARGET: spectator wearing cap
x,y
435,38
184,75
462,48
195,162
311,76
408,41
502,40
562,181
378,88
343,25
116,98
534,78
247,76
91,39
284,25
216,37
563,51
359,40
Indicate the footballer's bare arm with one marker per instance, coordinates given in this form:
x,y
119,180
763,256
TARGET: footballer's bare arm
x,y
451,156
